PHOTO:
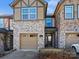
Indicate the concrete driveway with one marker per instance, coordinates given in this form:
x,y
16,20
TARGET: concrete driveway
x,y
21,55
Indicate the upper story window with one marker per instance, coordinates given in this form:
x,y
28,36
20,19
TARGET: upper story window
x,y
69,12
78,11
1,23
48,22
29,13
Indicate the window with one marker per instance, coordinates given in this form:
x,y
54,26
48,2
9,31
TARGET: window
x,y
48,22
29,13
1,23
69,12
78,11
33,35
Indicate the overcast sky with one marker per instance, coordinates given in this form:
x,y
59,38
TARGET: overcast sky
x,y
5,9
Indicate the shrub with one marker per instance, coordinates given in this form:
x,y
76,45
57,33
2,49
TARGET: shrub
x,y
55,54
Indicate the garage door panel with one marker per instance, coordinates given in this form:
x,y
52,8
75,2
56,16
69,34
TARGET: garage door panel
x,y
28,41
71,39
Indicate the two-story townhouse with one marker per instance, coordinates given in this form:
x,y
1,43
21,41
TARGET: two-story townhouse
x,y
6,32
29,25
33,29
67,22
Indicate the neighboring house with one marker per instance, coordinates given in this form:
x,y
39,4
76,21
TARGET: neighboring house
x,y
6,33
67,22
29,26
6,22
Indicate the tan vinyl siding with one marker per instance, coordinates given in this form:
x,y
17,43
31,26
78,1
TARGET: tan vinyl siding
x,y
40,4
17,14
18,5
23,4
31,1
26,1
41,13
34,4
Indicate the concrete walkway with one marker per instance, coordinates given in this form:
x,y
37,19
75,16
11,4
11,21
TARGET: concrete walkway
x,y
21,55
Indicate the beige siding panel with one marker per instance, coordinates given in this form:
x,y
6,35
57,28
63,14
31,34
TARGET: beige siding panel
x,y
34,4
17,14
71,39
31,1
18,5
41,13
26,1
40,4
23,4
28,41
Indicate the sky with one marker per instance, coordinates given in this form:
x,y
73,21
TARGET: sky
x,y
5,9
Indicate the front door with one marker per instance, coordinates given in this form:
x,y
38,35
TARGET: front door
x,y
28,41
49,40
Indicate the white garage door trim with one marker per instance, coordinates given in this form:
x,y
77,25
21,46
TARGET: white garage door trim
x,y
36,42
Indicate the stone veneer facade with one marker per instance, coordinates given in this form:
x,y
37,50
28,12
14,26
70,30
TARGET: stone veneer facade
x,y
36,26
29,26
66,27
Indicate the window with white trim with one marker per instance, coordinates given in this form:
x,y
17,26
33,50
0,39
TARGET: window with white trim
x,y
29,13
69,12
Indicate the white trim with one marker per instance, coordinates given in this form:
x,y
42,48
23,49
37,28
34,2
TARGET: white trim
x,y
67,13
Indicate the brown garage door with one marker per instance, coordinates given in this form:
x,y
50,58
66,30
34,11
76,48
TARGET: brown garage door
x,y
28,41
71,39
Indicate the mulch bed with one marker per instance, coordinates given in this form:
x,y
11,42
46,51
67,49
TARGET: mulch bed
x,y
56,54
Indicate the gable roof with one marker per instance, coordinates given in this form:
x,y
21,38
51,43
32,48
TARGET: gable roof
x,y
17,1
58,5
